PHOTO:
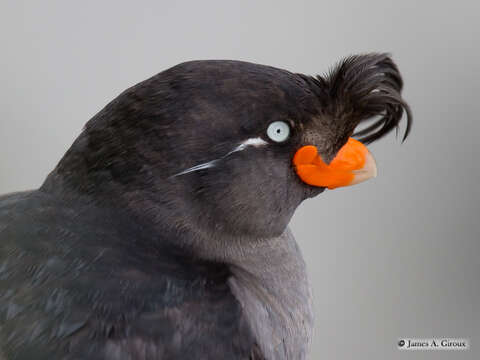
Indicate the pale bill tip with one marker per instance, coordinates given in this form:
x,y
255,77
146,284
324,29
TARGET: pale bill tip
x,y
368,171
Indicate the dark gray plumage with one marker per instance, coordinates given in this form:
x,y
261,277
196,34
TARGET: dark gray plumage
x,y
117,256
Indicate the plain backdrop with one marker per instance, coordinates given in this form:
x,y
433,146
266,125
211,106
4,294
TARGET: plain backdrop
x,y
398,256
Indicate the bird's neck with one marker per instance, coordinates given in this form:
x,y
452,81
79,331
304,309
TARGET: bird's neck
x,y
270,281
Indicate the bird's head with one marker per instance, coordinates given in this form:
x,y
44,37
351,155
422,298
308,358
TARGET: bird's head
x,y
237,146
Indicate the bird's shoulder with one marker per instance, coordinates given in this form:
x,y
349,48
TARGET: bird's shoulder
x,y
78,283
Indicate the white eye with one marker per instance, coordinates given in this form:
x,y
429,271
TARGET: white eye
x,y
278,131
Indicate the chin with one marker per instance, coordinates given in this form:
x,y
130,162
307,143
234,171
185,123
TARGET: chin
x,y
312,191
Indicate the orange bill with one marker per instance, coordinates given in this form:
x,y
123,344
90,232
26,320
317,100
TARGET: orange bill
x,y
352,165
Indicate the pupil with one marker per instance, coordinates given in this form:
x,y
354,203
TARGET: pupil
x,y
279,131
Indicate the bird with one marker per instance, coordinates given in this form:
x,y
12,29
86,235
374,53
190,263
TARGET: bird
x,y
163,232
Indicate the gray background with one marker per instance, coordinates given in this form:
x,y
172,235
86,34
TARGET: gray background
x,y
395,257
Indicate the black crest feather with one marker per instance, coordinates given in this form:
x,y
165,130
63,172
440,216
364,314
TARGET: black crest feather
x,y
366,87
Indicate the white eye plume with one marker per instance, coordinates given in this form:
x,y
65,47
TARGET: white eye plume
x,y
278,131
255,142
